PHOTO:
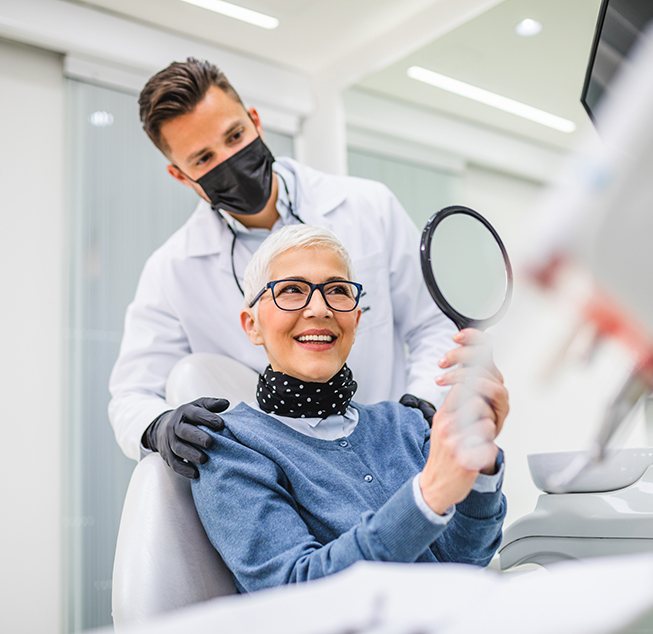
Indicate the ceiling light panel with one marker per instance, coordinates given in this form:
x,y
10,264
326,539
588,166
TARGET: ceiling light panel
x,y
491,99
237,12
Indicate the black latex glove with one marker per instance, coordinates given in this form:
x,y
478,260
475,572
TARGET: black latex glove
x,y
177,437
428,409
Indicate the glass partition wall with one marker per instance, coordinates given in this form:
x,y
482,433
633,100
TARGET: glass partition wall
x,y
421,189
123,205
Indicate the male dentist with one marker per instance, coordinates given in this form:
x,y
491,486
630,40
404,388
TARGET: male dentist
x,y
189,296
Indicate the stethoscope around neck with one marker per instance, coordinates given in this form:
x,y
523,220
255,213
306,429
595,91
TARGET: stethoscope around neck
x,y
235,235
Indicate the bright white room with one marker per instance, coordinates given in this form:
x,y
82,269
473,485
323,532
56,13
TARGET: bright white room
x,y
474,103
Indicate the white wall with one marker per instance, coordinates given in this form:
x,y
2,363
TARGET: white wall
x,y
504,199
31,365
458,138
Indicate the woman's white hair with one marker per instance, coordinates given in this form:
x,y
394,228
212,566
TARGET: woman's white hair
x,y
257,272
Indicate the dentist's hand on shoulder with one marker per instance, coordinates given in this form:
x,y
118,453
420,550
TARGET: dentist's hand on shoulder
x,y
176,436
465,427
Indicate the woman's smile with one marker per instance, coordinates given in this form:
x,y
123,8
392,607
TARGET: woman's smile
x,y
318,339
311,343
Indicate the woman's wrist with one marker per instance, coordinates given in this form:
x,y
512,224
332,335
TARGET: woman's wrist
x,y
433,496
491,468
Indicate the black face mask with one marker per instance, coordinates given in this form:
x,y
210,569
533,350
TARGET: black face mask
x,y
242,184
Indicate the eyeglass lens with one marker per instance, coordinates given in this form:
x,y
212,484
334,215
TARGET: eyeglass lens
x,y
291,295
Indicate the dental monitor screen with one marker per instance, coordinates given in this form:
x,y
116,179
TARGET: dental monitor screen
x,y
620,25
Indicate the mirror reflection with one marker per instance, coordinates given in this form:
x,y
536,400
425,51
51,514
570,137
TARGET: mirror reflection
x,y
468,266
467,270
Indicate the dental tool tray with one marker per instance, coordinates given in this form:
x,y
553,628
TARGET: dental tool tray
x,y
608,511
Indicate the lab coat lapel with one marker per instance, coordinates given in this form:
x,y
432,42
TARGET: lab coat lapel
x,y
206,233
317,194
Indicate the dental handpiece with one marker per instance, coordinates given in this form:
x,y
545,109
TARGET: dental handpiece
x,y
633,389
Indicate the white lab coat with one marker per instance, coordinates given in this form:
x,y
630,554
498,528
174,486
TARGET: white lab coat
x,y
187,301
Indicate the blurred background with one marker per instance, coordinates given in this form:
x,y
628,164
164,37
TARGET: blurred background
x,y
362,87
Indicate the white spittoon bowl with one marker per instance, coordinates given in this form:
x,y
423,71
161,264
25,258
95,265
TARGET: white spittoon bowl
x,y
621,468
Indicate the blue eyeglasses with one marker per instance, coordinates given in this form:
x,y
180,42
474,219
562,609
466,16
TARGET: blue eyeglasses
x,y
295,294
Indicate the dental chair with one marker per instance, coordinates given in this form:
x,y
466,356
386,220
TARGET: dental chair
x,y
606,511
164,559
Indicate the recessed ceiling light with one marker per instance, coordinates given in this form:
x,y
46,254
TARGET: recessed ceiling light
x,y
528,27
491,99
101,119
237,12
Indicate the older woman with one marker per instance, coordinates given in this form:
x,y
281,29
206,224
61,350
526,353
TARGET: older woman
x,y
304,481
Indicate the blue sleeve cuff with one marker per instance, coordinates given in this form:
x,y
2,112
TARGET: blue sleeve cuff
x,y
427,511
491,483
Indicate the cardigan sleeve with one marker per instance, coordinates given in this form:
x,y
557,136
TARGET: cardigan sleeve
x,y
252,520
474,533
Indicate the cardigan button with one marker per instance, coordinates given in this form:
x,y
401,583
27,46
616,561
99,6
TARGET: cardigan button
x,y
368,478
343,443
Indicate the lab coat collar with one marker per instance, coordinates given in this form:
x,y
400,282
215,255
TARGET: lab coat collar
x,y
206,233
316,195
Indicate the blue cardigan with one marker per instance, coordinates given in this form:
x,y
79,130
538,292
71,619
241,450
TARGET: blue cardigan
x,y
281,507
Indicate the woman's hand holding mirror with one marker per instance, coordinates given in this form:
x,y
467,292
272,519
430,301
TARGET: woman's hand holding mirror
x,y
472,366
454,463
445,479
478,400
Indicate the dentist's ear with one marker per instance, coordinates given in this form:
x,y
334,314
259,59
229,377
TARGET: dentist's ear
x,y
177,174
256,120
249,324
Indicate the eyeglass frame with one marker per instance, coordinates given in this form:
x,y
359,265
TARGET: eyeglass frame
x,y
313,287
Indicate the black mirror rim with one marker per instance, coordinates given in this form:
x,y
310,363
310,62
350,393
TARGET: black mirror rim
x,y
461,321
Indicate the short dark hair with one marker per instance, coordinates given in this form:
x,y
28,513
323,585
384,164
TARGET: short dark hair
x,y
176,90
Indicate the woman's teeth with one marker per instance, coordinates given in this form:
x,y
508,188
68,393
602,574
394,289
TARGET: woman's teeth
x,y
315,338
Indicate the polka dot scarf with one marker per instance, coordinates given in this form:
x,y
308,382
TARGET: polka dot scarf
x,y
282,394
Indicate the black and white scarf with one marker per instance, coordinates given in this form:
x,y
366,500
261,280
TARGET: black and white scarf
x,y
282,394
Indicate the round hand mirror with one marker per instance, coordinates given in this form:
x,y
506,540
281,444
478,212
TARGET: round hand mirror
x,y
466,267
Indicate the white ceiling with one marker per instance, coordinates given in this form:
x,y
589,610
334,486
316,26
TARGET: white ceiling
x,y
470,40
545,71
312,34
